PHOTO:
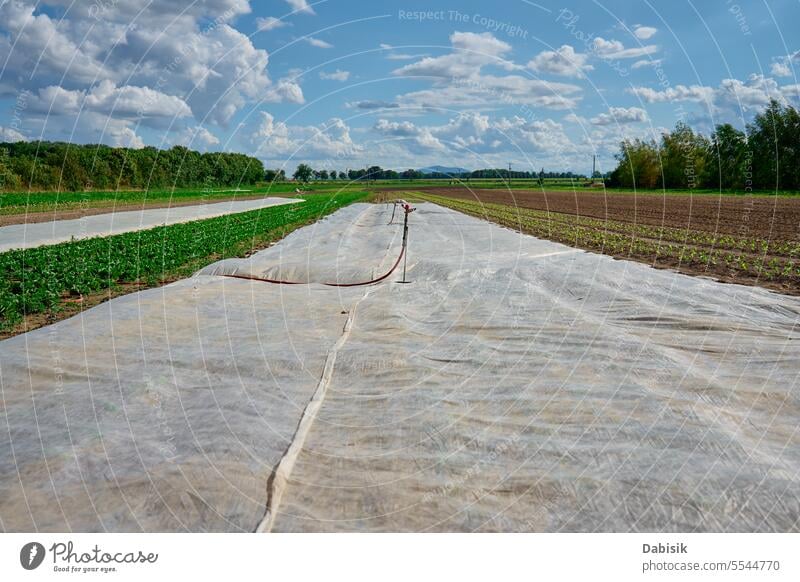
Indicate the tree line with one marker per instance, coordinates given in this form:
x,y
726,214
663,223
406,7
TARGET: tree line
x,y
766,156
42,165
305,173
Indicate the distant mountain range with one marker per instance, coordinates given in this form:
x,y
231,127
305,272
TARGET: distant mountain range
x,y
442,170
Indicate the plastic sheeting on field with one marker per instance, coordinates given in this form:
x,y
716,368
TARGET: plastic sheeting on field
x,y
515,385
18,236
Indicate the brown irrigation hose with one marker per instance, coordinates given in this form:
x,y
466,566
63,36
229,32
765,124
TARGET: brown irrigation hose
x,y
279,282
377,280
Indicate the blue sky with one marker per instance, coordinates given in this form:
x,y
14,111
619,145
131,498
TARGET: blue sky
x,y
343,84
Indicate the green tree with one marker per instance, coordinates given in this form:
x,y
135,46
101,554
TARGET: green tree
x,y
683,157
638,165
774,136
62,166
729,159
303,173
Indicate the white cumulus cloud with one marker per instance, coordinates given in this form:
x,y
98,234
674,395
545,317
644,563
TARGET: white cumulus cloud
x,y
697,93
300,6
319,43
286,90
275,140
9,134
784,66
458,80
614,49
197,138
471,51
644,32
620,116
269,23
178,60
564,61
337,75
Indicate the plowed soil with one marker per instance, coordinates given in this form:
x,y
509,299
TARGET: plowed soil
x,y
770,218
751,220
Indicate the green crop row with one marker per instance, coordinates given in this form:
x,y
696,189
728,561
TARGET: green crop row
x,y
748,245
614,238
664,234
38,279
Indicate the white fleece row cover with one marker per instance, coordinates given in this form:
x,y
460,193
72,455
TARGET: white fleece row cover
x,y
514,384
20,236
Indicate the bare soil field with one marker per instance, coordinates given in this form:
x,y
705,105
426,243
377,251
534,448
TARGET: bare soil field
x,y
757,216
744,240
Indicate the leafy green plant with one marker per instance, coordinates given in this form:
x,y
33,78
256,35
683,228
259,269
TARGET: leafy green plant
x,y
38,279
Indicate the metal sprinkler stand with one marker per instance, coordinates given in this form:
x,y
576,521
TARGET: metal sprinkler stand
x,y
408,210
405,246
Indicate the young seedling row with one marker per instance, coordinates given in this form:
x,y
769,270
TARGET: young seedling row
x,y
772,263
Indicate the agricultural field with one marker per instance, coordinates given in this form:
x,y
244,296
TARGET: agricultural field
x,y
43,284
400,267
578,186
509,371
708,237
22,207
776,218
